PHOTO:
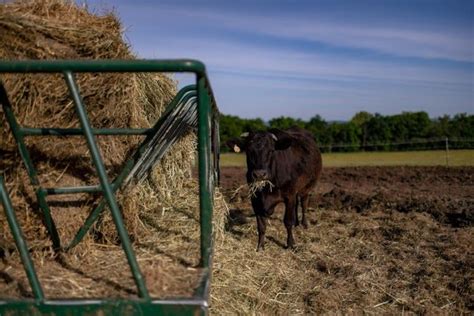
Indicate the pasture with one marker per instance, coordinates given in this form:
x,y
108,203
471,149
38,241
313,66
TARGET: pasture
x,y
382,239
402,158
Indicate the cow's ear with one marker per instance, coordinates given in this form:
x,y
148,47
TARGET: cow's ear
x,y
283,140
234,144
238,144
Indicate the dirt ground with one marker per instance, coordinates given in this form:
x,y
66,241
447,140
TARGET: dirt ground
x,y
381,240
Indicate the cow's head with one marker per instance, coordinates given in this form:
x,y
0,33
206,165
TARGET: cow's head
x,y
260,147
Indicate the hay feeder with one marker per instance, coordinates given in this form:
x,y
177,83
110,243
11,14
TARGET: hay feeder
x,y
193,107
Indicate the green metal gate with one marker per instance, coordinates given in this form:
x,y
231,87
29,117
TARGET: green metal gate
x,y
191,98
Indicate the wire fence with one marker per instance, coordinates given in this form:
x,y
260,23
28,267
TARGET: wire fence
x,y
438,143
415,144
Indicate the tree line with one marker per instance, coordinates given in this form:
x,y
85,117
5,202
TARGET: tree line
x,y
368,132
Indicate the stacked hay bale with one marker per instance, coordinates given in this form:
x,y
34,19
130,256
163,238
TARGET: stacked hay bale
x,y
56,29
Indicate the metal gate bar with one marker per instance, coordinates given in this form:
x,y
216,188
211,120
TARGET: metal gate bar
x,y
20,242
207,123
25,155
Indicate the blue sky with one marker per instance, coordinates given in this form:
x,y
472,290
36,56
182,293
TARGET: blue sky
x,y
301,58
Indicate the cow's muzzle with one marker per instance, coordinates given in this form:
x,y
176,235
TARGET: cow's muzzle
x,y
260,174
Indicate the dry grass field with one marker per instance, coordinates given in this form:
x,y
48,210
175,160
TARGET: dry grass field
x,y
402,158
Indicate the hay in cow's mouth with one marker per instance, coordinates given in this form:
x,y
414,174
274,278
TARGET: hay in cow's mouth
x,y
256,186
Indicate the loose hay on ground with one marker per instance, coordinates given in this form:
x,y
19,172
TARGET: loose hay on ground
x,y
364,255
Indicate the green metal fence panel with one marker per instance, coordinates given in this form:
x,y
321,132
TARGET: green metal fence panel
x,y
201,97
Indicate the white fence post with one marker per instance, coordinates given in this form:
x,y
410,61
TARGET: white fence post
x,y
447,151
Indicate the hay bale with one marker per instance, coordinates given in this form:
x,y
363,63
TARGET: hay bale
x,y
58,29
160,214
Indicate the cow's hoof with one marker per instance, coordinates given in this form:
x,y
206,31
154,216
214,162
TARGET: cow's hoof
x,y
290,247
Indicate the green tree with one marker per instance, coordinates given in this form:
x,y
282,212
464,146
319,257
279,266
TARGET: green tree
x,y
378,131
319,128
439,127
365,128
462,126
254,125
233,126
408,126
361,120
345,134
284,122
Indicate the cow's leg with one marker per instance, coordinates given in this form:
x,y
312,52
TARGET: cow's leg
x,y
261,228
304,207
297,222
289,220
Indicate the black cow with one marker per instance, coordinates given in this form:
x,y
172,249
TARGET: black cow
x,y
291,161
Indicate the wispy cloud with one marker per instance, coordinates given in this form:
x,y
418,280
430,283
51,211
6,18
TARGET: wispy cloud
x,y
255,60
428,41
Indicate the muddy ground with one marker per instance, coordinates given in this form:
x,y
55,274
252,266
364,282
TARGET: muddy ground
x,y
381,240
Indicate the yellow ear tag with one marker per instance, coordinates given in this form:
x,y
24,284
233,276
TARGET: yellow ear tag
x,y
236,149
